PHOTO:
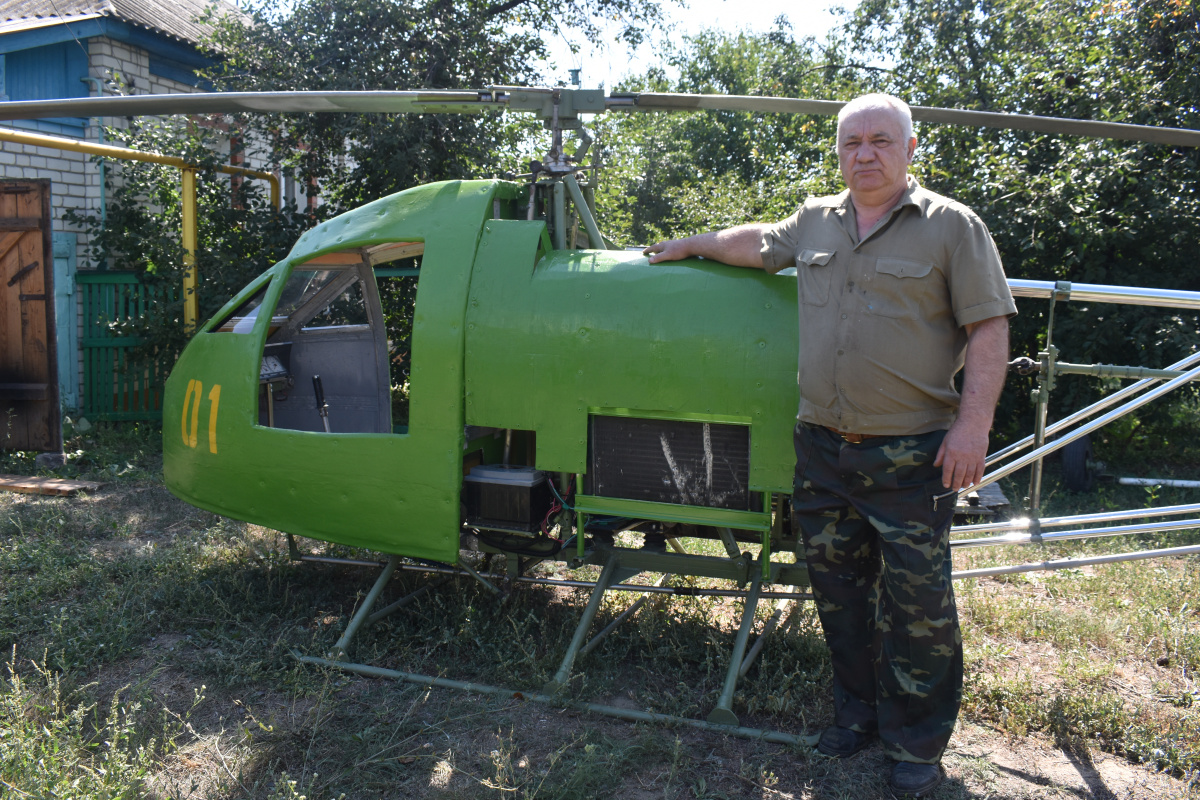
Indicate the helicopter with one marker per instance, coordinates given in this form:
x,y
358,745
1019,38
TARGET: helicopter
x,y
559,390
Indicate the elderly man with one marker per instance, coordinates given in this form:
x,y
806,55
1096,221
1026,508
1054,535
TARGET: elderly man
x,y
899,289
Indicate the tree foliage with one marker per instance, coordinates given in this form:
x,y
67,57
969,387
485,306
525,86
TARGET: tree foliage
x,y
398,45
239,235
675,174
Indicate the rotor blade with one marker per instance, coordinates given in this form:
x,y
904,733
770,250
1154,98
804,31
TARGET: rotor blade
x,y
230,102
648,101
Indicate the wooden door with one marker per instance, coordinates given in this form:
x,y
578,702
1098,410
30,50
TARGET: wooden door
x,y
29,412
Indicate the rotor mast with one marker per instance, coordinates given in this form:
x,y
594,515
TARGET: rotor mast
x,y
560,189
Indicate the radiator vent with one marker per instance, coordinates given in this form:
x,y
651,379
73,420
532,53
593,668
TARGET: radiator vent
x,y
670,461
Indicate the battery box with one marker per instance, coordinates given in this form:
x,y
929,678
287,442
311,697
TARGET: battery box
x,y
506,497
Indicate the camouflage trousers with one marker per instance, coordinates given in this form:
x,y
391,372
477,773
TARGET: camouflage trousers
x,y
878,555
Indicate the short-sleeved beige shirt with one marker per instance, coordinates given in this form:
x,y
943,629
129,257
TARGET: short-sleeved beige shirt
x,y
881,320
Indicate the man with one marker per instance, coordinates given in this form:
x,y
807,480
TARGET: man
x,y
899,289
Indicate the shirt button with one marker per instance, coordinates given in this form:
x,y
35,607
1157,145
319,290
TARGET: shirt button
x,y
843,316
841,352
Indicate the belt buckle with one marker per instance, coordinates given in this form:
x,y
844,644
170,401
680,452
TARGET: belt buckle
x,y
852,438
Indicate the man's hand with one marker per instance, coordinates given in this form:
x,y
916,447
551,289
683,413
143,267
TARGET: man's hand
x,y
964,449
670,250
961,456
737,247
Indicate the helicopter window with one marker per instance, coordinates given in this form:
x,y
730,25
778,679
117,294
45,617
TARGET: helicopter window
x,y
348,308
301,287
242,318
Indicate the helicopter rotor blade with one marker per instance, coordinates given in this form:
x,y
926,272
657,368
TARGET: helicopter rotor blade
x,y
649,101
497,98
262,102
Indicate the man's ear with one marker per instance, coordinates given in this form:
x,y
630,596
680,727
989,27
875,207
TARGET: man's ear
x,y
912,148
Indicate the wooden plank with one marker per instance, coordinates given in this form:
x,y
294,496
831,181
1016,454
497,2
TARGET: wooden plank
x,y
20,224
394,251
25,391
30,484
7,240
340,257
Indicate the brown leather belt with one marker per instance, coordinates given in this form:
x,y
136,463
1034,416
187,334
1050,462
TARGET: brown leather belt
x,y
856,438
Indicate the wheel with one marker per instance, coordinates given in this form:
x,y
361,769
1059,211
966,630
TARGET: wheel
x,y
1078,475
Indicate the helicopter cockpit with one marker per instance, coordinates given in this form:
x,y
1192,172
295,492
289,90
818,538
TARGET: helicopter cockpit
x,y
330,362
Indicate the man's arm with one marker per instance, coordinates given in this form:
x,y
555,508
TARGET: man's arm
x,y
738,247
964,449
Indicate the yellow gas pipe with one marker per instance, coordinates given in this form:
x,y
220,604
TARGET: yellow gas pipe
x,y
191,302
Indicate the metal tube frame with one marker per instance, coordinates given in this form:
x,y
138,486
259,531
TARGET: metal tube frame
x,y
723,713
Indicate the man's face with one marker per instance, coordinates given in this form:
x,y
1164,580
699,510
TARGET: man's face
x,y
873,154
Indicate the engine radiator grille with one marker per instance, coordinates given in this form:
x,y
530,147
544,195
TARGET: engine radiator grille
x,y
670,461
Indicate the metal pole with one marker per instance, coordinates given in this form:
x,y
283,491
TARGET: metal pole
x,y
768,629
1099,293
723,713
360,616
585,213
1094,408
1071,563
191,301
1174,484
1087,533
560,217
1017,525
589,613
624,615
678,591
775,737
1092,426
124,153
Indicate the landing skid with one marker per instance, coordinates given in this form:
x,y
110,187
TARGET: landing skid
x,y
619,565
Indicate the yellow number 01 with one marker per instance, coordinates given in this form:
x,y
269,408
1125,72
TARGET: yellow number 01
x,y
190,431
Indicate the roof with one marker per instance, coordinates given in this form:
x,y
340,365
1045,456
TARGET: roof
x,y
173,18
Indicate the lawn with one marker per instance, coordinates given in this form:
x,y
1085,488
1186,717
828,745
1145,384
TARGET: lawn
x,y
148,651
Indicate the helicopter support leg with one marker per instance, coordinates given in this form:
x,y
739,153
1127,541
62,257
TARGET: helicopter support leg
x,y
769,627
723,713
339,650
406,600
608,576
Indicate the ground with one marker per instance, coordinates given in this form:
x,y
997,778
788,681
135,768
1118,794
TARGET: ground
x,y
152,644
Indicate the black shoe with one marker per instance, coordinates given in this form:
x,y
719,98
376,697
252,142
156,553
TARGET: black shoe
x,y
842,742
915,780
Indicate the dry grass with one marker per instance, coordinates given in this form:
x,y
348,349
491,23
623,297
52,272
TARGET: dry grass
x,y
142,631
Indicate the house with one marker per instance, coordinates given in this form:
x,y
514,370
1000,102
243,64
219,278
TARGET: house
x,y
52,49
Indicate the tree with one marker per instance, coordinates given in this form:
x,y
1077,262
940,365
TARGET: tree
x,y
396,45
670,175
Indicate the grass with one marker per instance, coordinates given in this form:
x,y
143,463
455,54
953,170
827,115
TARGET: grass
x,y
148,654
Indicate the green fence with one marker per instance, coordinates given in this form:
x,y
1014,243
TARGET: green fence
x,y
117,385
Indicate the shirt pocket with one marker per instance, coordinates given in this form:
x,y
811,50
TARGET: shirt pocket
x,y
899,286
813,276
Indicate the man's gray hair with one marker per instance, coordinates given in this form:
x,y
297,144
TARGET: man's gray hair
x,y
878,100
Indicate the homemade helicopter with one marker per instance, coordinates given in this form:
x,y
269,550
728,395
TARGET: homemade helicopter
x,y
558,384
